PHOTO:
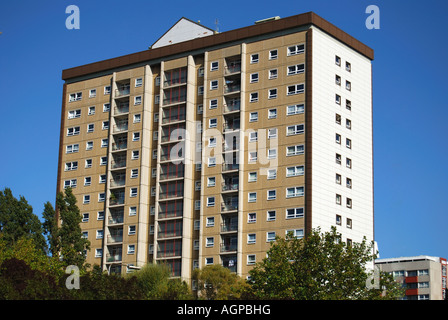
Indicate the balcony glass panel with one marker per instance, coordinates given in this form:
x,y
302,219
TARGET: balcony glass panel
x,y
171,209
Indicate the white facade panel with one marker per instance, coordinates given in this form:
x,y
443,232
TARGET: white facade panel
x,y
324,146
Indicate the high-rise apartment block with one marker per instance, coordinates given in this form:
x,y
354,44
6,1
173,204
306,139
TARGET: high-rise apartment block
x,y
205,147
423,277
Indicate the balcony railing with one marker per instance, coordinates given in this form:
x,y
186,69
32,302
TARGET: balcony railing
x,y
175,81
120,127
114,257
115,238
230,166
172,100
116,201
119,146
118,164
116,219
117,182
229,227
123,91
233,67
228,247
121,108
232,106
229,206
230,186
232,88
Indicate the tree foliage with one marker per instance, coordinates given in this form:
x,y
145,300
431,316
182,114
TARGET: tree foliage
x,y
216,282
17,220
319,267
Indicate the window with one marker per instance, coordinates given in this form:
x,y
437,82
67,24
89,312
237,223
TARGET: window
x,y
338,138
132,211
213,123
295,109
272,113
337,60
106,107
272,174
338,199
210,242
349,203
73,131
338,158
338,118
252,156
98,253
348,124
75,96
157,81
74,114
86,199
91,111
252,197
348,163
131,230
200,109
87,181
135,155
338,80
104,143
254,58
295,89
135,136
214,66
107,89
102,178
70,183
295,171
348,143
273,74
252,176
297,49
253,136
211,181
208,261
296,233
338,99
70,166
105,125
210,201
272,153
157,99
338,178
254,77
272,195
272,133
197,185
88,163
212,161
71,148
201,72
294,213
251,217
253,116
272,94
296,69
131,249
295,129
349,223
212,142
270,236
338,220
213,104
295,150
251,238
348,66
200,90
348,85
294,192
92,93
134,173
89,145
101,197
254,97
213,84
138,82
348,104
133,192
197,204
210,222
137,100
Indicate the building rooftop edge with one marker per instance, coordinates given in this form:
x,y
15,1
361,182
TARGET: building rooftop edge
x,y
308,18
411,258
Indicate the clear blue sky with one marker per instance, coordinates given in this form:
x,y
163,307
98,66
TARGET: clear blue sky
x,y
409,93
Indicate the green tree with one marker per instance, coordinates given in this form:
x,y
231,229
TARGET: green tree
x,y
318,267
50,228
71,244
216,282
17,220
154,280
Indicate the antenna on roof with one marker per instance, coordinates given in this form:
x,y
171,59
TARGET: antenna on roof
x,y
216,25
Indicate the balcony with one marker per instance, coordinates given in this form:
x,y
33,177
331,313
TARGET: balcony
x,y
232,87
226,167
114,257
174,95
120,127
117,182
232,105
114,238
229,204
123,90
229,227
116,219
117,164
175,77
230,262
230,186
116,146
229,244
121,108
169,229
116,200
233,66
